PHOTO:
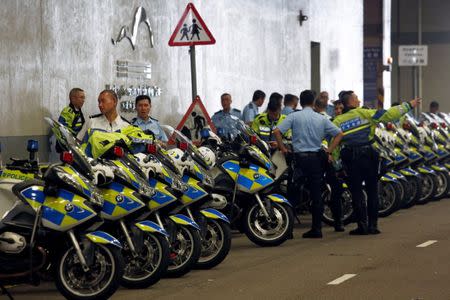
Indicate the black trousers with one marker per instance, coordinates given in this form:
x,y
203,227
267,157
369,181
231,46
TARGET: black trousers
x,y
361,165
336,192
310,166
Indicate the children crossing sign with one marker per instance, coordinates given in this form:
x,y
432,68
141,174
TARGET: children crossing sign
x,y
191,30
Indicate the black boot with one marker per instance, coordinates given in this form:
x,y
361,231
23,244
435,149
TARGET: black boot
x,y
313,234
338,226
373,228
360,230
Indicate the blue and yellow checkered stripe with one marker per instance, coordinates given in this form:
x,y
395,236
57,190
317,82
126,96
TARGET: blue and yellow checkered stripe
x,y
54,208
116,209
162,196
194,191
251,179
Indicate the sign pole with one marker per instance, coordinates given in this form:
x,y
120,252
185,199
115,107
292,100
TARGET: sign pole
x,y
193,72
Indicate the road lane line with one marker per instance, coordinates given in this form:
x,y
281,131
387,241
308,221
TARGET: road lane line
x,y
426,244
341,279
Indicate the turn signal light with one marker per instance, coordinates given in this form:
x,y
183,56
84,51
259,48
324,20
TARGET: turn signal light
x,y
151,148
67,157
443,125
434,125
390,126
183,146
253,140
407,126
118,151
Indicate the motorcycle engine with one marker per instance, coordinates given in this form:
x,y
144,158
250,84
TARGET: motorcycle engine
x,y
11,242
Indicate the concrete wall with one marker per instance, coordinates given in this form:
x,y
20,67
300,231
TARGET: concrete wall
x,y
435,34
50,46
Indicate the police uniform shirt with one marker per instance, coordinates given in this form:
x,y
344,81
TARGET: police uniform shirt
x,y
309,129
72,118
101,122
152,125
287,110
222,120
250,112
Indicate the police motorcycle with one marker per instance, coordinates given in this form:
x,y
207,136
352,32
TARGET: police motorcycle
x,y
399,183
126,195
245,175
434,176
184,233
186,180
50,225
222,146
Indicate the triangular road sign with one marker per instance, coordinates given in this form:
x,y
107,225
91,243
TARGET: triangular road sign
x,y
195,119
191,30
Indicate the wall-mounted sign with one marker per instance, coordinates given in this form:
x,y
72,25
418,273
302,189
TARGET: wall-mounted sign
x,y
133,70
412,55
191,30
128,94
140,16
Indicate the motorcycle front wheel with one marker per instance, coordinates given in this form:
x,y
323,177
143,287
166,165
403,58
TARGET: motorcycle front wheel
x,y
389,198
428,187
99,282
216,243
271,231
149,266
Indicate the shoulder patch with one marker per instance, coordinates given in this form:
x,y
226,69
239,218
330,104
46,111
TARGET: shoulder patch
x,y
95,116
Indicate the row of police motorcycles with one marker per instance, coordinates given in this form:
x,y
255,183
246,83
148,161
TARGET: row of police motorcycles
x,y
132,212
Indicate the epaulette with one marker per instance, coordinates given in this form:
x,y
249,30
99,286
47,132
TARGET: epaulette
x,y
219,111
154,119
133,120
95,116
235,109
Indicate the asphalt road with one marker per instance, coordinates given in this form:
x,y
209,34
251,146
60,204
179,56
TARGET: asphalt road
x,y
386,266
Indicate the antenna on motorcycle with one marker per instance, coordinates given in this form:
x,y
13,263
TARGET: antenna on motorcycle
x,y
183,146
67,157
151,148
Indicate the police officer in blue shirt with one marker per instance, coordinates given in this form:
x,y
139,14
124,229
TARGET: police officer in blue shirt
x,y
290,104
143,119
251,109
222,119
309,129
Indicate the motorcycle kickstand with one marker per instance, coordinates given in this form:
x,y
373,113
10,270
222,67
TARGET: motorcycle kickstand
x,y
5,292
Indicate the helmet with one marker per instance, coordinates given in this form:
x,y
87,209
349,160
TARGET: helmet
x,y
208,155
176,155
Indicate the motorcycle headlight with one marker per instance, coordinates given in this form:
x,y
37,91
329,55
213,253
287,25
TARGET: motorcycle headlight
x,y
122,174
208,181
69,180
260,157
96,198
146,190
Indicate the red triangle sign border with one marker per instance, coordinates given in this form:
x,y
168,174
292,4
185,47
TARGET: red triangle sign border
x,y
172,42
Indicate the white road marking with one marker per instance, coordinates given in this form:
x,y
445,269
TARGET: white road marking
x,y
426,244
341,279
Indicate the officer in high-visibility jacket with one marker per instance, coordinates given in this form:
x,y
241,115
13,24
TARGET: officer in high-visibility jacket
x,y
265,123
360,159
72,116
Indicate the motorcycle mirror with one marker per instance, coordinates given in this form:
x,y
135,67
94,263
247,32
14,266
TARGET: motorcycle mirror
x,y
67,157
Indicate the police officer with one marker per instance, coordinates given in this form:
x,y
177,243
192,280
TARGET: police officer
x,y
265,123
309,129
72,116
360,160
108,120
144,121
290,104
222,119
320,106
251,110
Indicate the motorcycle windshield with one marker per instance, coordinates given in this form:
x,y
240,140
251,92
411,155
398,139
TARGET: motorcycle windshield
x,y
246,134
67,142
